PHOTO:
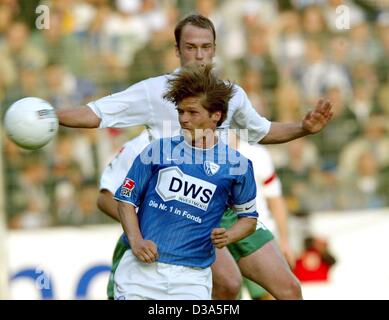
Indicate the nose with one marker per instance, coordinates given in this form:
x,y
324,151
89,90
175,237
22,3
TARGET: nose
x,y
199,54
183,117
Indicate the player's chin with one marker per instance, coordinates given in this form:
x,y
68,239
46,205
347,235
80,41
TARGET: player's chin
x,y
188,134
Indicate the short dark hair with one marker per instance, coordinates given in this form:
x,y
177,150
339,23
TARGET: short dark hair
x,y
193,81
196,20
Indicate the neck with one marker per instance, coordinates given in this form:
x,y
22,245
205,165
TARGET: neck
x,y
206,141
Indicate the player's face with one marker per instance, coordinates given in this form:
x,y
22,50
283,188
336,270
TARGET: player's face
x,y
196,122
196,46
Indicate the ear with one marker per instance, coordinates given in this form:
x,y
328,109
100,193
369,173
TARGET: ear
x,y
216,116
177,49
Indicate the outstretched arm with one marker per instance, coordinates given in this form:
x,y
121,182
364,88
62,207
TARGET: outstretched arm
x,y
81,117
313,122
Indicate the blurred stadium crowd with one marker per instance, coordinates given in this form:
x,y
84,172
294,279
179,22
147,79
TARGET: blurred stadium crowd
x,y
285,54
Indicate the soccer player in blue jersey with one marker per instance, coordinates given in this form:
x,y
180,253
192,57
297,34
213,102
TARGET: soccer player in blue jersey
x,y
181,187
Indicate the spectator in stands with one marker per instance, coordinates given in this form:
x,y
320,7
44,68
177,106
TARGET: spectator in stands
x,y
315,261
342,129
258,59
145,63
375,140
314,24
16,53
295,165
28,84
59,46
32,194
6,18
364,189
319,74
65,88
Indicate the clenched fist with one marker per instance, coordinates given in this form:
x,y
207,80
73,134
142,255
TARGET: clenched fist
x,y
145,250
219,237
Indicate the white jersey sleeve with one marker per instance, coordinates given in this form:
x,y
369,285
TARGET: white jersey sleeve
x,y
130,107
246,117
115,172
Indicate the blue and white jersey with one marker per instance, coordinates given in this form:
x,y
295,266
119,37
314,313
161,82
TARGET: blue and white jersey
x,y
182,193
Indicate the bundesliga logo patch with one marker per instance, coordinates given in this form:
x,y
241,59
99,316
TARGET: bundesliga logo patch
x,y
127,187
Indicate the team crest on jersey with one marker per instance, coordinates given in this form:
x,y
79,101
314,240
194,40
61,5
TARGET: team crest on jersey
x,y
211,168
127,187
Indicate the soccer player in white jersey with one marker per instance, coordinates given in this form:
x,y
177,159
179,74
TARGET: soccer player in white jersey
x,y
181,187
142,103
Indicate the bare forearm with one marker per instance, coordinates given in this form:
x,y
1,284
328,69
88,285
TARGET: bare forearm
x,y
241,229
107,204
284,132
312,123
81,117
129,221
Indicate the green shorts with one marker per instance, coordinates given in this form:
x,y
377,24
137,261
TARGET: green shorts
x,y
248,245
120,249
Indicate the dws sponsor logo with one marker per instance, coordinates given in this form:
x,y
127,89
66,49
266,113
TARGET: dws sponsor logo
x,y
173,184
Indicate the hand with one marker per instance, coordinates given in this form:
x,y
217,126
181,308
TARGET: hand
x,y
219,237
318,118
145,250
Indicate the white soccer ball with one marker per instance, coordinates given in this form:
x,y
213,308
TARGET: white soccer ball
x,y
31,122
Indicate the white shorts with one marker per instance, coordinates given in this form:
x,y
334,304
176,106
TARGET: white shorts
x,y
136,280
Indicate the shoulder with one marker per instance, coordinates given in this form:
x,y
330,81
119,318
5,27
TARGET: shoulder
x,y
159,80
238,91
238,97
150,84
